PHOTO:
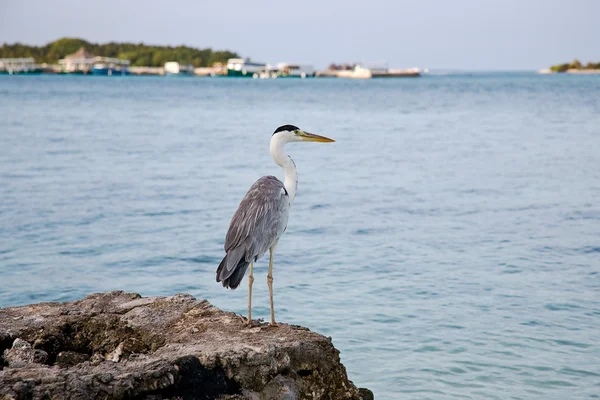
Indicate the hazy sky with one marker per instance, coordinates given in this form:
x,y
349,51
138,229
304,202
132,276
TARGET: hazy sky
x,y
454,34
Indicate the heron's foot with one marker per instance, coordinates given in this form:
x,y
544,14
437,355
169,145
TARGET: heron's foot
x,y
245,320
251,322
274,324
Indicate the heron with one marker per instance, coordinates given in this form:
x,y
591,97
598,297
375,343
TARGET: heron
x,y
262,217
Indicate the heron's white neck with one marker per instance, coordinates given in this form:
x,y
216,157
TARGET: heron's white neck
x,y
284,161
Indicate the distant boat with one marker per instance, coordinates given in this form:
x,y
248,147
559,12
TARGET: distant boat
x,y
364,71
174,68
358,72
238,67
397,73
110,66
109,69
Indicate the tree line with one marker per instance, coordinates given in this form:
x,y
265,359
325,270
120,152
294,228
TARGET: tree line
x,y
139,54
576,64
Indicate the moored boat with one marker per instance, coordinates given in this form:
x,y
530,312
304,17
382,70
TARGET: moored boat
x,y
397,73
174,68
366,71
109,70
238,67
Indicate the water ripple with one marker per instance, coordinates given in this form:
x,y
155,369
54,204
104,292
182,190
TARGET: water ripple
x,y
450,254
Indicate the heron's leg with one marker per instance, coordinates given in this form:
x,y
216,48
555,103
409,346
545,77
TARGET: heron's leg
x,y
250,282
270,281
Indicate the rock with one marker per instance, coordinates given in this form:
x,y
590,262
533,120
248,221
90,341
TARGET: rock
x,y
365,394
21,353
119,345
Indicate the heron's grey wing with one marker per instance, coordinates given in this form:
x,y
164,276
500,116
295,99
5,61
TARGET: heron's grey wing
x,y
258,222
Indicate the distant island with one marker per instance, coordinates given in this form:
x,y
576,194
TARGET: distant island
x,y
139,54
575,67
75,56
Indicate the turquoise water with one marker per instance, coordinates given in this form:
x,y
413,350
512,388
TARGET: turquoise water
x,y
449,241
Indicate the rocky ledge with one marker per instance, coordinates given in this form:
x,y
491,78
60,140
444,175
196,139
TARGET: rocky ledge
x,y
123,346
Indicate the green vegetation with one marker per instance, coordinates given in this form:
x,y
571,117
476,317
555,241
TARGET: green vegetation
x,y
576,64
139,54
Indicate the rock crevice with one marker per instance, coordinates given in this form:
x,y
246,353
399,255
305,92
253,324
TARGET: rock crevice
x,y
120,345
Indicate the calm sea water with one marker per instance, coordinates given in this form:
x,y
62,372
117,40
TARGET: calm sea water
x,y
449,241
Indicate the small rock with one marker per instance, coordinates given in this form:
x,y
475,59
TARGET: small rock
x,y
116,354
40,356
97,358
22,354
365,394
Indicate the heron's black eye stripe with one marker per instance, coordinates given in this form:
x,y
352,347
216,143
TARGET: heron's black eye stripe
x,y
286,193
290,128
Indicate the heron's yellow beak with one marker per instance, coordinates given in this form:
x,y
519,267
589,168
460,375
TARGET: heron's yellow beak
x,y
311,137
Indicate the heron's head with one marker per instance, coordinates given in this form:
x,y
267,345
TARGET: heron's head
x,y
291,133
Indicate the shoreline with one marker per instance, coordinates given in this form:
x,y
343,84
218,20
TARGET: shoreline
x,y
548,71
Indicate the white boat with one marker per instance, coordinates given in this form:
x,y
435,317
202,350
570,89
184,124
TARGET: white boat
x,y
245,68
174,68
366,71
358,72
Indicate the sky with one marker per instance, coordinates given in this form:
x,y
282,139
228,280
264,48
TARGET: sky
x,y
435,34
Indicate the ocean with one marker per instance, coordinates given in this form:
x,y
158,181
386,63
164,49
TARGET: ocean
x,y
448,241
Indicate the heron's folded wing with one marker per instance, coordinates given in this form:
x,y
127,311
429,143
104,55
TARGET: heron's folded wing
x,y
260,218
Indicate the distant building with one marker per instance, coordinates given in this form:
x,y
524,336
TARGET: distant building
x,y
84,62
81,61
17,65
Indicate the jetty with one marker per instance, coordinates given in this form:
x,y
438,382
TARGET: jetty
x,y
159,71
121,345
25,65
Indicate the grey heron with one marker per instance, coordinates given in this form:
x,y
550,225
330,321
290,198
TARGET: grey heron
x,y
262,217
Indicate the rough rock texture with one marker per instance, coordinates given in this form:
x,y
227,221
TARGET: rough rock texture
x,y
122,346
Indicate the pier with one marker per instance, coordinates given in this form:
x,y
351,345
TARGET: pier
x,y
18,66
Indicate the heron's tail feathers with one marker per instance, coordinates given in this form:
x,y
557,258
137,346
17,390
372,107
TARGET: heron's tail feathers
x,y
231,277
238,274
